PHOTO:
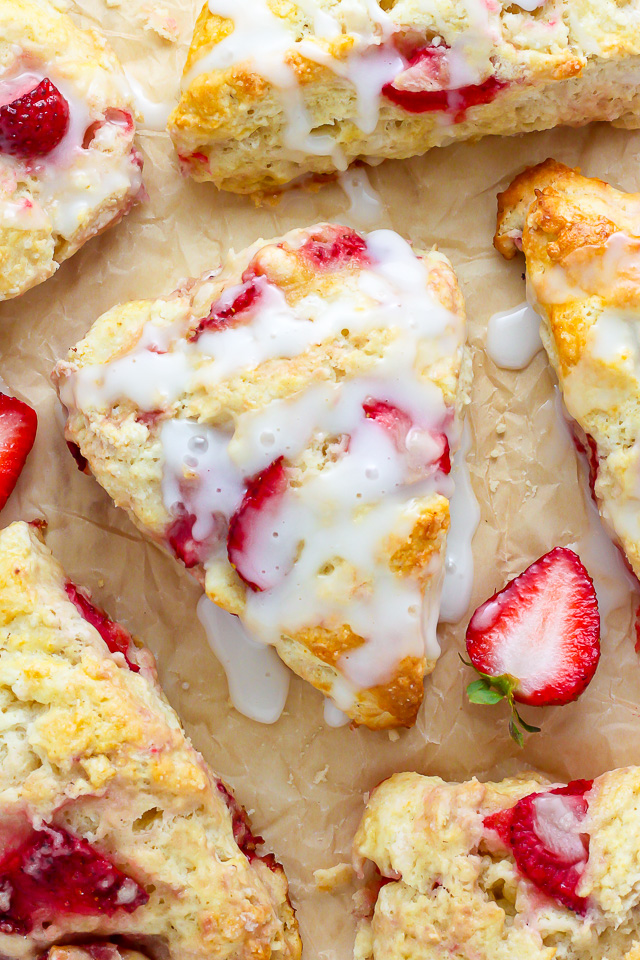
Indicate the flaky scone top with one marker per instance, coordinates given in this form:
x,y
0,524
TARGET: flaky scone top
x,y
448,885
92,753
581,240
50,205
289,385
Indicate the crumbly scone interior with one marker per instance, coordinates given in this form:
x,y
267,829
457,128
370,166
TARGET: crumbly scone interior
x,y
581,241
273,90
289,383
90,746
50,205
445,887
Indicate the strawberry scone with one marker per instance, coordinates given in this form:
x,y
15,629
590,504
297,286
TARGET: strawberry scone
x,y
581,240
523,869
286,429
68,165
274,89
111,824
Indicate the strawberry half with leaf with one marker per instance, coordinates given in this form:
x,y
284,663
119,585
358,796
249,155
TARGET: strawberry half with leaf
x,y
18,425
537,641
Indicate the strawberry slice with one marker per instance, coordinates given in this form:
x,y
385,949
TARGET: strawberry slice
x,y
224,314
537,641
544,832
18,425
34,124
334,247
55,873
422,87
251,545
114,635
424,447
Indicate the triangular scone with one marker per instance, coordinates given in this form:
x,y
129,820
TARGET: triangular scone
x,y
522,869
277,89
287,428
54,199
111,823
581,240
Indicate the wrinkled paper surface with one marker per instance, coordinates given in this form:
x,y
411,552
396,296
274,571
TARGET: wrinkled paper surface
x,y
302,782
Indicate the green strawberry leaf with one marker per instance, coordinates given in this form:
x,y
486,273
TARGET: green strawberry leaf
x,y
529,727
516,733
480,692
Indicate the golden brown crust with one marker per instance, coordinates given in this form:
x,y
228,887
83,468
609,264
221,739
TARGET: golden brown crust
x,y
581,240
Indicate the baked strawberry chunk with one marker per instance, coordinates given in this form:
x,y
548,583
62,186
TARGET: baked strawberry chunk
x,y
334,248
18,426
182,541
241,827
251,539
114,635
423,86
544,832
55,873
34,124
224,315
425,448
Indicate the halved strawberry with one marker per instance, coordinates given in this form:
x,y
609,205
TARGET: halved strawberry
x,y
53,872
250,542
424,447
423,86
544,832
34,124
334,247
114,635
18,425
224,314
537,641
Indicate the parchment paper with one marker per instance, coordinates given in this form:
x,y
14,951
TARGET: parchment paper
x,y
302,782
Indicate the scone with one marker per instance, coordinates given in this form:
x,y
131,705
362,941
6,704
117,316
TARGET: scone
x,y
276,89
581,240
68,165
111,824
518,870
286,429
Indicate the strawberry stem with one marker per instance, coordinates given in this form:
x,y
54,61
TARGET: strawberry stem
x,y
488,691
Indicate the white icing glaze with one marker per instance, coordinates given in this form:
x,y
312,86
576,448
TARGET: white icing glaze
x,y
333,716
154,113
330,525
513,337
73,180
258,679
465,517
366,206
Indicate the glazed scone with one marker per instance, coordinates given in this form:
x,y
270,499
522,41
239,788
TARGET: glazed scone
x,y
520,869
68,165
275,89
286,427
112,824
581,240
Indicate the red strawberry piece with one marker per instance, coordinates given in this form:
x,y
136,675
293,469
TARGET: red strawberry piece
x,y
398,424
500,823
421,88
224,314
334,248
542,629
34,124
548,843
76,453
18,425
241,827
55,873
587,448
114,635
182,541
250,543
